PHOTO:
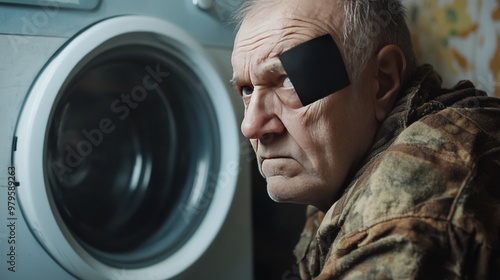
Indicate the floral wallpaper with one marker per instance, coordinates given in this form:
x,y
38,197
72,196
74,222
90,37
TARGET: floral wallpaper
x,y
461,38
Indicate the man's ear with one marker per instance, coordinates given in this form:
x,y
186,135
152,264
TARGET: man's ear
x,y
391,68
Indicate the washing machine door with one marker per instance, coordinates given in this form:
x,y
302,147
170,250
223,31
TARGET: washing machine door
x,y
127,152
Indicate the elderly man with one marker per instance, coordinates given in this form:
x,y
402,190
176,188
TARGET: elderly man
x,y
402,176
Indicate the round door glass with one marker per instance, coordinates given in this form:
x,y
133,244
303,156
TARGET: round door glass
x,y
131,146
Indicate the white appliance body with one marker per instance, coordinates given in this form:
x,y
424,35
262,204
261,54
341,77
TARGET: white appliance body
x,y
120,153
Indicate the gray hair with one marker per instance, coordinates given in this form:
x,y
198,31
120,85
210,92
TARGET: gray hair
x,y
371,24
368,25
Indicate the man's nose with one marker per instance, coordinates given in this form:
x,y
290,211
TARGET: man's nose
x,y
261,116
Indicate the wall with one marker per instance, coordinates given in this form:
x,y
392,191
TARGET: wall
x,y
461,38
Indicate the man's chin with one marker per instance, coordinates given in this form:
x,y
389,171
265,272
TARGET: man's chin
x,y
280,189
280,199
298,190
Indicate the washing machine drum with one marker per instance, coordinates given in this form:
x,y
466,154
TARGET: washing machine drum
x,y
125,143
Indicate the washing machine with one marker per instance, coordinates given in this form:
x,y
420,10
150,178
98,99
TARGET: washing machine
x,y
121,156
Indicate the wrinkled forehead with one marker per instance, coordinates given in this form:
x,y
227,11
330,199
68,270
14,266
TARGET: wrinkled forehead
x,y
274,27
306,50
280,25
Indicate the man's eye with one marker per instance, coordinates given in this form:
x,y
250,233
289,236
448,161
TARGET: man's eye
x,y
287,83
246,90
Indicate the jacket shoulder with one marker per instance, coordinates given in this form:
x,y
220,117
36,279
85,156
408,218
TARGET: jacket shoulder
x,y
429,168
428,198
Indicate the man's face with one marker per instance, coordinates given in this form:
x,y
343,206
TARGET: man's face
x,y
304,152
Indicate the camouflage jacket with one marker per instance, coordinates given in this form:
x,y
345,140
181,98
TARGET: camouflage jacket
x,y
425,203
